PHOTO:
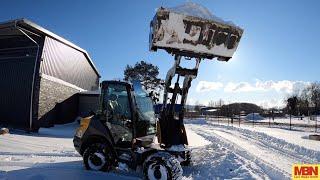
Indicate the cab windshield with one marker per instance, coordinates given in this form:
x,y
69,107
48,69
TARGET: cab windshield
x,y
144,103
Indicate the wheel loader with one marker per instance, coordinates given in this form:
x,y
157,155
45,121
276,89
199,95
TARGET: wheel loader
x,y
125,130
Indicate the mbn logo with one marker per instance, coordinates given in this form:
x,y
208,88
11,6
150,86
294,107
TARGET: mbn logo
x,y
305,171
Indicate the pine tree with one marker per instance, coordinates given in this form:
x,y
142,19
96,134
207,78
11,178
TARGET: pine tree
x,y
147,74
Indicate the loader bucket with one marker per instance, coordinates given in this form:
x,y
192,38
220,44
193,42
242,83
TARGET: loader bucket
x,y
191,30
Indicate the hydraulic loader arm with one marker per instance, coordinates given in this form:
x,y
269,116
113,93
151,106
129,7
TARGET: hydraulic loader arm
x,y
196,36
171,124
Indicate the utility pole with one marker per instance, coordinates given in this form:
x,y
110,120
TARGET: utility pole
x,y
219,114
239,119
270,117
239,116
232,116
273,115
308,115
253,119
316,118
290,120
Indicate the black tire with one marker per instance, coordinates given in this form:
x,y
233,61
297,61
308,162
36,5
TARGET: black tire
x,y
165,164
98,157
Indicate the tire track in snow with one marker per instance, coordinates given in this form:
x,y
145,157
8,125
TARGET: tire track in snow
x,y
296,149
300,154
218,162
267,168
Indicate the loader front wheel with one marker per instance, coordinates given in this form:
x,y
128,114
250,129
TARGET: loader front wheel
x,y
98,157
162,165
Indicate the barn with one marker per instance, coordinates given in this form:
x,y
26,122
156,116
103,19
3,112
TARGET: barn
x,y
41,75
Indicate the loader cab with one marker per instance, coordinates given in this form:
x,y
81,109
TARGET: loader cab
x,y
127,111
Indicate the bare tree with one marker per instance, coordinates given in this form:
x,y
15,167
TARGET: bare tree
x,y
314,90
197,106
212,103
220,103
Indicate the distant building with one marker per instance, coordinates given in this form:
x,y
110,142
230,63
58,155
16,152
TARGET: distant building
x,y
40,76
210,110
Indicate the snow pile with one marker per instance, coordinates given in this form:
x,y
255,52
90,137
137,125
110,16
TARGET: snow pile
x,y
196,10
254,116
196,140
4,131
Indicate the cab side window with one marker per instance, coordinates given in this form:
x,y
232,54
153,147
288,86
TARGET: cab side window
x,y
119,112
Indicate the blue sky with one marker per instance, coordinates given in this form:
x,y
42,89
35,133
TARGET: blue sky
x,y
278,51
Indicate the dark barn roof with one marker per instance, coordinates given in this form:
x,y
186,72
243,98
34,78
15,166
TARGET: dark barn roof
x,y
33,28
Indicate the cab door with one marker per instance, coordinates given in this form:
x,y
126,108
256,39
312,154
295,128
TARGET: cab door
x,y
119,114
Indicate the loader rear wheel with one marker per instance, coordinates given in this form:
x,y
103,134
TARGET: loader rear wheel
x,y
98,157
163,166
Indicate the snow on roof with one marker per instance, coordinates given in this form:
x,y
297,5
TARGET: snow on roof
x,y
211,110
194,9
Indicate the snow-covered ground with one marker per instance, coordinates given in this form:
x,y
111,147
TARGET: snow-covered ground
x,y
263,152
47,155
218,152
284,120
294,120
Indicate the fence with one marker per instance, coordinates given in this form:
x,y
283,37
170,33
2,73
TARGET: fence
x,y
309,123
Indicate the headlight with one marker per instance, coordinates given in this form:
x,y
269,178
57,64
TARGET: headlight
x,y
84,124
